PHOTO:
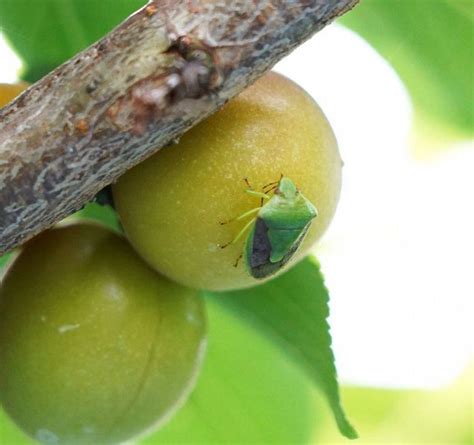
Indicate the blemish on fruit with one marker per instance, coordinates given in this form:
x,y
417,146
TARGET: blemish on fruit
x,y
213,247
68,327
88,430
45,436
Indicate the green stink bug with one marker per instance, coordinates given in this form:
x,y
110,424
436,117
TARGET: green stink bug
x,y
277,229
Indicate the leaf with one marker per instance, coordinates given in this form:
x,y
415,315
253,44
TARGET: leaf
x,y
48,32
292,310
430,45
10,434
100,213
3,261
393,415
247,393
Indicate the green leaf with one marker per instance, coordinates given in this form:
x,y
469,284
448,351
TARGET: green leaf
x,y
10,434
430,45
3,261
100,213
45,33
248,392
292,310
393,415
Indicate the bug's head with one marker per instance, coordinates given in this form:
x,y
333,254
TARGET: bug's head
x,y
290,198
287,189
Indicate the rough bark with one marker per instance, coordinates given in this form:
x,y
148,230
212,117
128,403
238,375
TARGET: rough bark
x,y
160,72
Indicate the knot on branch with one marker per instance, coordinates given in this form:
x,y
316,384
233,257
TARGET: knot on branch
x,y
194,73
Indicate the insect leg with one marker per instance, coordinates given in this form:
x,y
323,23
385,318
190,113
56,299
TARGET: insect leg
x,y
272,184
257,194
272,189
244,215
252,192
240,234
262,196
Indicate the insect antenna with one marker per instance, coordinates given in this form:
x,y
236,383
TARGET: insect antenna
x,y
270,184
271,189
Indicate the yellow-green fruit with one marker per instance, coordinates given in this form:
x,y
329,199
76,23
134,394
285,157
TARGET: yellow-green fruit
x,y
95,347
8,92
171,204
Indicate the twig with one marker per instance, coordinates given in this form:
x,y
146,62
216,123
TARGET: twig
x,y
160,72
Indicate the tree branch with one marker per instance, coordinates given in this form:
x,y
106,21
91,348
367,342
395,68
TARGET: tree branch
x,y
160,72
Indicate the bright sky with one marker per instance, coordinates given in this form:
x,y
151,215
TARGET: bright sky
x,y
9,63
398,258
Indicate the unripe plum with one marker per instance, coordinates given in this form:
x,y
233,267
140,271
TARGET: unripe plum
x,y
95,346
171,205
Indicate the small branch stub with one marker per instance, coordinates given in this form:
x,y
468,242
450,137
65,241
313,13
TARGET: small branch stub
x,y
160,72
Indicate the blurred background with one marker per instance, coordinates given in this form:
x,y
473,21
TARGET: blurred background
x,y
398,257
